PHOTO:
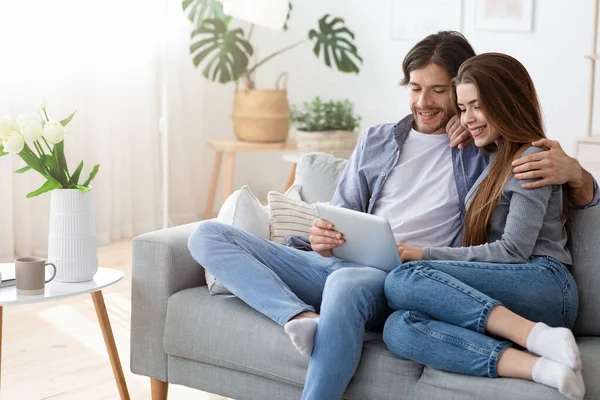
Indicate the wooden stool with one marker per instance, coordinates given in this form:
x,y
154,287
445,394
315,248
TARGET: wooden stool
x,y
230,147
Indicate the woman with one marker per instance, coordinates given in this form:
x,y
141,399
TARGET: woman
x,y
510,282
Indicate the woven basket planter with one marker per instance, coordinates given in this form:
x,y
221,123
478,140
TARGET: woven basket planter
x,y
261,115
340,144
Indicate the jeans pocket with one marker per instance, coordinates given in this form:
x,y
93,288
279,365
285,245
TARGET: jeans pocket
x,y
570,295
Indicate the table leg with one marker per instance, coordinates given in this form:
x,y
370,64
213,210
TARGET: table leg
x,y
229,169
291,179
214,181
109,341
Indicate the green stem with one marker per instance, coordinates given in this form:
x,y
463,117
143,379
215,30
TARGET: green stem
x,y
58,162
41,164
39,148
66,171
46,114
47,145
278,52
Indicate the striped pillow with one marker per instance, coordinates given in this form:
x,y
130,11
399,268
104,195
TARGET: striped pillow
x,y
289,217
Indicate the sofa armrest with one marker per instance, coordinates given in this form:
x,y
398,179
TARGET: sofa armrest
x,y
162,266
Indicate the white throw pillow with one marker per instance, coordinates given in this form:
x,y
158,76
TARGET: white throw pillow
x,y
290,216
292,193
243,210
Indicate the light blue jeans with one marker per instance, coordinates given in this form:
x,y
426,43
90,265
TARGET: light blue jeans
x,y
281,282
442,309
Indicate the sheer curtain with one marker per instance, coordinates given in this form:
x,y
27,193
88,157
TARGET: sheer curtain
x,y
103,59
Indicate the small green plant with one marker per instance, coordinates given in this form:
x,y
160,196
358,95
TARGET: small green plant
x,y
319,116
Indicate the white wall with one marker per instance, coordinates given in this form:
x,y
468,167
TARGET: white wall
x,y
552,52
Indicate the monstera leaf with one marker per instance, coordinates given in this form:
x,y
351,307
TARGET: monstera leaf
x,y
334,39
198,10
226,51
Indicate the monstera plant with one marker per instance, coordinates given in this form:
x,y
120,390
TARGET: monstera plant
x,y
224,52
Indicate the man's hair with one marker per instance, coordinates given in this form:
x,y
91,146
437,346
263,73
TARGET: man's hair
x,y
448,49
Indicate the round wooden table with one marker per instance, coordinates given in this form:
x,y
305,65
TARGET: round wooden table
x,y
105,277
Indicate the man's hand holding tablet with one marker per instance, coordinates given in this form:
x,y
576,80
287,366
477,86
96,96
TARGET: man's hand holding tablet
x,y
323,237
359,238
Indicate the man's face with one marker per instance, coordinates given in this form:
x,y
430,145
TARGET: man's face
x,y
431,98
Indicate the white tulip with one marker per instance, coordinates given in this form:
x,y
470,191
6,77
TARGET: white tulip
x,y
7,127
22,118
14,143
31,130
40,103
54,132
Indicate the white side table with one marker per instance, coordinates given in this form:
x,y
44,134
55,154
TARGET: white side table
x,y
56,290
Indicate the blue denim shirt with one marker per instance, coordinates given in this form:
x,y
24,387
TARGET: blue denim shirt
x,y
376,155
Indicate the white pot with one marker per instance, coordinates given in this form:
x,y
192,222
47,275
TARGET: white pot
x,y
72,236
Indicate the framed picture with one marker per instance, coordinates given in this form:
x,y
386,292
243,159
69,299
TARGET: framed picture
x,y
415,19
504,15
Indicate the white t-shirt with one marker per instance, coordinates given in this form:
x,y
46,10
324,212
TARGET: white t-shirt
x,y
419,198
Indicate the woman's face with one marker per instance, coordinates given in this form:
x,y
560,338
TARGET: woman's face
x,y
472,117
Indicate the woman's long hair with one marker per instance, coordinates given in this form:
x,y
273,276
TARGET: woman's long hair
x,y
507,97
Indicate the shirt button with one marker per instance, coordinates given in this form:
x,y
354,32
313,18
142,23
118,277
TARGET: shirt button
x,y
383,173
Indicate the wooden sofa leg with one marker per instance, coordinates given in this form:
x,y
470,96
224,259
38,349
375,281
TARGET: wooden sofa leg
x,y
159,389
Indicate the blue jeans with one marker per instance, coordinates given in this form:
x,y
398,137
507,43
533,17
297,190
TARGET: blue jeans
x,y
281,282
442,308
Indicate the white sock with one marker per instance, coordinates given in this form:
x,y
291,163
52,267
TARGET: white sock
x,y
302,332
559,376
557,344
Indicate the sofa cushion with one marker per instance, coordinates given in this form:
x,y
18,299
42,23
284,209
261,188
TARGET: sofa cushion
x,y
225,332
244,340
585,244
318,175
226,382
438,385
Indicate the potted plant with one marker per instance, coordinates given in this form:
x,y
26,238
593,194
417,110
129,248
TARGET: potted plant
x,y
328,127
39,142
224,52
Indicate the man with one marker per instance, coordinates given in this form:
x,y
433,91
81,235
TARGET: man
x,y
413,174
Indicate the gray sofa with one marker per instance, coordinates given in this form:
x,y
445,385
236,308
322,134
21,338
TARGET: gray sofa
x,y
181,334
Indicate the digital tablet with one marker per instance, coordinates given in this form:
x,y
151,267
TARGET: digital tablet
x,y
368,238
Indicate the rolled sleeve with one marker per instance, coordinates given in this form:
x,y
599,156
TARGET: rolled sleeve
x,y
596,198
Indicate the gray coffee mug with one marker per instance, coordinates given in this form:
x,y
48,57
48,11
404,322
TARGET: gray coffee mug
x,y
30,273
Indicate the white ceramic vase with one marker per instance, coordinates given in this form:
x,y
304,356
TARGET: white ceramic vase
x,y
72,236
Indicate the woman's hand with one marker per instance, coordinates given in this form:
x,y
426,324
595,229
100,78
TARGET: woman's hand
x,y
409,253
323,238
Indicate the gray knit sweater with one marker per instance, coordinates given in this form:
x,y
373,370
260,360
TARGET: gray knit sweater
x,y
525,223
